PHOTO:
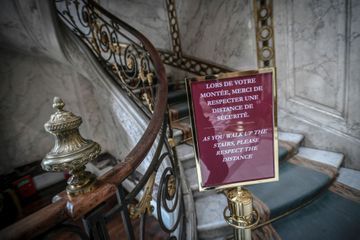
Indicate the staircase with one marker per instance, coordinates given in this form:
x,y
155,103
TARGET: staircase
x,y
307,202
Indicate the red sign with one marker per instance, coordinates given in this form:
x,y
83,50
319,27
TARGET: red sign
x,y
234,128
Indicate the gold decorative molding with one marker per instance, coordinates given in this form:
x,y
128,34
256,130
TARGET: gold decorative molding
x,y
136,210
174,28
265,41
171,186
193,65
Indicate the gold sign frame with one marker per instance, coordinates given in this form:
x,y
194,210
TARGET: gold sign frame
x,y
188,82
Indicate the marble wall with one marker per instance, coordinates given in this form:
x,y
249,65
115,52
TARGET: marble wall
x,y
221,31
22,28
25,108
318,49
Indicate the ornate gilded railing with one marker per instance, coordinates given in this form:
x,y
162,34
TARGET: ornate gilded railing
x,y
135,65
125,55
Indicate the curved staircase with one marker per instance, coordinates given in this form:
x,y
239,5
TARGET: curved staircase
x,y
308,202
314,199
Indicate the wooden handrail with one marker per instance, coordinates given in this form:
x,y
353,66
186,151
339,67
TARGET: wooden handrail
x,y
74,208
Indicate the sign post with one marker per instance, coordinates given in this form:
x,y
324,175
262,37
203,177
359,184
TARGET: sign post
x,y
234,127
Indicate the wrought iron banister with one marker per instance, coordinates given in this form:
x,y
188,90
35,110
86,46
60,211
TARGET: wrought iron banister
x,y
133,63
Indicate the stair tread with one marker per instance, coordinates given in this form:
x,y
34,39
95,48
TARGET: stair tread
x,y
185,152
291,137
177,135
178,110
349,177
321,156
297,185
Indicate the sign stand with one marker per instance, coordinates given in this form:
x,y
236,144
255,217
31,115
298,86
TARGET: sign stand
x,y
242,215
234,126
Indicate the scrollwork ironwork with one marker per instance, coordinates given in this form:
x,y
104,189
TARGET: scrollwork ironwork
x,y
144,206
127,60
122,54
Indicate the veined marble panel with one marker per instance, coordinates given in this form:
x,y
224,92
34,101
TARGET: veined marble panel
x,y
30,27
318,52
221,31
148,17
27,87
318,49
353,71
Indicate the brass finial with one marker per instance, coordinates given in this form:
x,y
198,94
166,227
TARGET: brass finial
x,y
58,103
71,151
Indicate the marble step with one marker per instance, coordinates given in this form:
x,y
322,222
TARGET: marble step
x,y
186,155
349,177
298,183
178,111
183,125
178,136
291,142
330,158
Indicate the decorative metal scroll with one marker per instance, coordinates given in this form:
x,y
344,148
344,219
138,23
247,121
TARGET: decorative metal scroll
x,y
174,28
117,49
265,42
168,200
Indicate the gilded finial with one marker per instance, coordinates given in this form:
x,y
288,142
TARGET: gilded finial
x,y
71,151
58,103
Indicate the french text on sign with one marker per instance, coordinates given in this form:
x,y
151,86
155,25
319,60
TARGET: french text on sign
x,y
234,128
